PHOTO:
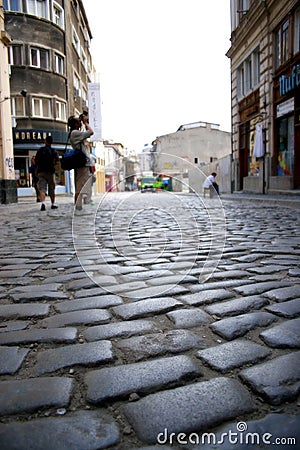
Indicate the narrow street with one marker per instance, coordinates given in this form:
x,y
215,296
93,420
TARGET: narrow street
x,y
149,320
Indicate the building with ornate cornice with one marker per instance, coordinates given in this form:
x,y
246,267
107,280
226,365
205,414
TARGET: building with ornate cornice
x,y
265,85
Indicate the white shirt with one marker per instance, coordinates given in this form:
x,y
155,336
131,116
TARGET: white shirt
x,y
209,181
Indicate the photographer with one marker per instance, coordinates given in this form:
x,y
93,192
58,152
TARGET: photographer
x,y
83,179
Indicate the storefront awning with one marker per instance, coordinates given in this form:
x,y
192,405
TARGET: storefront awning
x,y
58,147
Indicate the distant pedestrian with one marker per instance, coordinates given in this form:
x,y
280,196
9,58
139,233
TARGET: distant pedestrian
x,y
211,182
46,158
83,175
34,178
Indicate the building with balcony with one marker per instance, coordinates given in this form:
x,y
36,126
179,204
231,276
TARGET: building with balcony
x,y
265,85
50,66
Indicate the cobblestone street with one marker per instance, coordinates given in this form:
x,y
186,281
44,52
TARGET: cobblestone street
x,y
148,318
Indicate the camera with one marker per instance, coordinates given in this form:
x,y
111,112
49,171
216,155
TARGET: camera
x,y
84,113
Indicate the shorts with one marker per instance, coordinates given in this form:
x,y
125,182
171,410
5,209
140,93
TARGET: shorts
x,y
46,179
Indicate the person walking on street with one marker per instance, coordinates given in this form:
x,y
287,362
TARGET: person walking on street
x,y
46,158
211,182
83,175
34,178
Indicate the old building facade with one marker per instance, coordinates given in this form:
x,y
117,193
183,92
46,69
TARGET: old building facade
x,y
265,85
185,154
50,67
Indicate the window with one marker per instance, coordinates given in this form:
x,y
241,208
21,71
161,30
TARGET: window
x,y
41,107
16,54
39,58
243,6
39,8
58,15
282,47
76,84
285,150
60,110
248,74
75,40
84,59
17,106
59,64
84,96
297,31
12,5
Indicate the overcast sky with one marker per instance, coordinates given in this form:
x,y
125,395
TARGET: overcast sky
x,y
161,64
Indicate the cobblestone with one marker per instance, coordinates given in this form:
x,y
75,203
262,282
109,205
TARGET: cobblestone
x,y
230,355
237,326
140,377
71,355
88,316
81,430
188,318
188,409
29,395
68,334
237,306
174,341
102,301
287,309
145,308
137,320
203,297
11,359
24,311
278,380
119,329
285,335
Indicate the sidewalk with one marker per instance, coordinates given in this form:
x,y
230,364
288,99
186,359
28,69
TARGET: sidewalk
x,y
290,199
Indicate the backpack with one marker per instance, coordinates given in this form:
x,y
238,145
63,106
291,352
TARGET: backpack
x,y
73,159
45,159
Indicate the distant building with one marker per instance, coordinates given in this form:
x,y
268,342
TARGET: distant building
x,y
184,154
114,172
265,73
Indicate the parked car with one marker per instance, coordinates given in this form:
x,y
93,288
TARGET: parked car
x,y
150,184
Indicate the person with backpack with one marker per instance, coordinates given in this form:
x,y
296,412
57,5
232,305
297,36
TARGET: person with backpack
x,y
83,175
45,160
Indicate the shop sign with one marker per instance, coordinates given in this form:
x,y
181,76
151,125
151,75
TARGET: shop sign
x,y
288,83
95,110
39,136
285,107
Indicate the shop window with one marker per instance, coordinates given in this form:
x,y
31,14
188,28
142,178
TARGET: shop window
x,y
16,54
282,46
12,5
18,106
39,58
285,147
297,31
41,107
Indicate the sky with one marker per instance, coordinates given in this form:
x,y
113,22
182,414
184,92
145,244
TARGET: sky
x,y
160,64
